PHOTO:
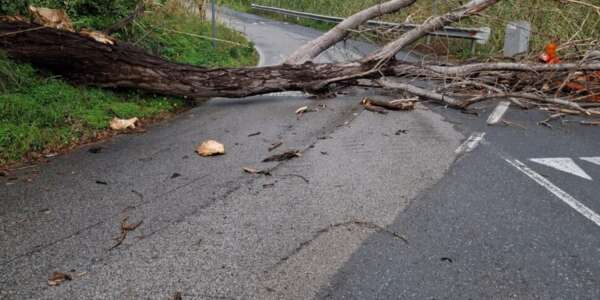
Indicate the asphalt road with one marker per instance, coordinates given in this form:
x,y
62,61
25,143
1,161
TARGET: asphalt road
x,y
377,206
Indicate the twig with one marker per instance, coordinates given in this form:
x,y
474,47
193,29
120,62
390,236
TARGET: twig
x,y
22,31
533,97
136,13
125,228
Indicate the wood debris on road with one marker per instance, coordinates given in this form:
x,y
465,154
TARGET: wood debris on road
x,y
125,229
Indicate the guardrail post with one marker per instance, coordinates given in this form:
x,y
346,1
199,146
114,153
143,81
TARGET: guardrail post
x,y
213,14
433,14
516,39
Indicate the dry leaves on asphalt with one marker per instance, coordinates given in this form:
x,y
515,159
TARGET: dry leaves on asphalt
x,y
210,148
57,278
122,124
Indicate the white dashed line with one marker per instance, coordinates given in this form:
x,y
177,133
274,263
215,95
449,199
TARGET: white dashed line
x,y
562,195
498,113
564,164
471,143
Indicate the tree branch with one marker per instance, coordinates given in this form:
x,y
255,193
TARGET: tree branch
x,y
315,47
388,51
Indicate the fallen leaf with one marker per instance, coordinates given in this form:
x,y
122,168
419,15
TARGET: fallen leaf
x,y
175,175
101,182
95,150
283,156
57,278
549,56
122,124
177,296
448,259
98,36
301,110
54,18
255,171
210,148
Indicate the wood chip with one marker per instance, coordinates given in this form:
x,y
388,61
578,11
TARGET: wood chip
x,y
122,124
210,148
396,105
57,278
301,110
275,146
255,171
54,18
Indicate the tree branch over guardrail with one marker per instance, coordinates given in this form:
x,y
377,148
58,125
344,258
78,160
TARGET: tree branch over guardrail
x,y
315,47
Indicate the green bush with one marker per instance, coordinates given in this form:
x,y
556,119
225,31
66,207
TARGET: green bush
x,y
40,113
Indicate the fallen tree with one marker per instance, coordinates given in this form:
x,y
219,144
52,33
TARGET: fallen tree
x,y
86,60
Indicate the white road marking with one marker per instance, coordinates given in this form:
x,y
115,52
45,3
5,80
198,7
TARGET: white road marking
x,y
562,195
471,143
564,164
498,113
594,160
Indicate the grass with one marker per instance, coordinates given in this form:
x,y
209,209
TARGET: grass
x,y
42,114
557,21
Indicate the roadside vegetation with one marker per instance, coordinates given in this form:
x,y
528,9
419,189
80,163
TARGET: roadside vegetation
x,y
41,114
562,22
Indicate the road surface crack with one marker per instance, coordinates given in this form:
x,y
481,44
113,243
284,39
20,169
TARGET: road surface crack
x,y
320,232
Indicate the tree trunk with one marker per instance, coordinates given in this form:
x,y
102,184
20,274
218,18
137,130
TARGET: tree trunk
x,y
86,61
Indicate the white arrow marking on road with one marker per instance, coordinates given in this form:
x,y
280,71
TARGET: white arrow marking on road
x,y
562,195
564,164
594,160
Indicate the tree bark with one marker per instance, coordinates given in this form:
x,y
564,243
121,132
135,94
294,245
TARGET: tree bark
x,y
315,47
86,61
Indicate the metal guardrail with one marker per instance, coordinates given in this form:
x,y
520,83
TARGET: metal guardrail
x,y
479,35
